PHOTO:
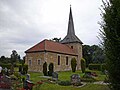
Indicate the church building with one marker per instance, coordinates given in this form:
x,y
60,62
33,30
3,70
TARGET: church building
x,y
58,53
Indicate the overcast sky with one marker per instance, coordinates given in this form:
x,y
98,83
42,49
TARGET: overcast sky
x,y
23,23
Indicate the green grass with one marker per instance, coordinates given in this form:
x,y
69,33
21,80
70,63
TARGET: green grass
x,y
87,87
63,76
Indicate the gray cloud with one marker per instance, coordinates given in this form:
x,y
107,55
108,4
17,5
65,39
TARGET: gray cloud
x,y
23,23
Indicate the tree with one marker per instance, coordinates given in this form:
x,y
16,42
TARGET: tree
x,y
14,58
110,33
87,55
73,64
97,54
4,60
93,54
56,39
83,65
45,69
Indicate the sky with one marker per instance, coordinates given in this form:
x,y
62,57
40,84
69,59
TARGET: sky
x,y
24,23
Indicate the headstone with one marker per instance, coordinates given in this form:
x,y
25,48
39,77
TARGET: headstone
x,y
0,69
75,79
88,75
55,76
27,76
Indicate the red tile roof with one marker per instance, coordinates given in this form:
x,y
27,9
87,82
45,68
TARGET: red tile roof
x,y
51,46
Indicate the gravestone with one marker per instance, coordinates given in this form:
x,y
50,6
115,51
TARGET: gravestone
x,y
0,69
75,79
27,76
55,76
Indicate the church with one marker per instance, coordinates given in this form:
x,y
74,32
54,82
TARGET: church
x,y
58,53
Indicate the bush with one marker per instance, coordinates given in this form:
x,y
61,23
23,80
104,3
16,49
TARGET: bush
x,y
17,75
8,66
23,69
73,64
103,67
88,79
51,66
45,69
20,68
64,83
94,67
83,65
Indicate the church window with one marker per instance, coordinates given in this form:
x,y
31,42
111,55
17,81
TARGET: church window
x,y
58,60
30,62
38,62
67,60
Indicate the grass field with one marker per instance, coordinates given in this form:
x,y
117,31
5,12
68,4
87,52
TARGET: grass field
x,y
63,76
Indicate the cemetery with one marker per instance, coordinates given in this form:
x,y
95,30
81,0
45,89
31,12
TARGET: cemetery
x,y
58,80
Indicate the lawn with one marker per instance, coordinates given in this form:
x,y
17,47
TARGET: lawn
x,y
63,76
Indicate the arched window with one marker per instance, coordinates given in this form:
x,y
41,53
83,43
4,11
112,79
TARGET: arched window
x,y
66,60
30,62
39,62
72,47
58,60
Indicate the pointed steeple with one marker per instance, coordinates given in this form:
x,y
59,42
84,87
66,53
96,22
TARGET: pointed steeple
x,y
71,37
71,23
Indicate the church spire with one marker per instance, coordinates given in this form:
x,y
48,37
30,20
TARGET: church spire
x,y
71,30
71,37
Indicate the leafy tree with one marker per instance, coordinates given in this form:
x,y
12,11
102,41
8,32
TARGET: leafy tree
x,y
83,65
56,39
14,59
4,60
87,55
73,64
93,54
97,54
45,69
110,33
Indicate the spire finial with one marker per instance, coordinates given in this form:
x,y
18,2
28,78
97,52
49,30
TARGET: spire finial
x,y
70,5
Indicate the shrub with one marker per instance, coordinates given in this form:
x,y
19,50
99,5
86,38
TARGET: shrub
x,y
64,83
8,66
94,67
17,75
25,69
22,68
73,64
88,79
83,65
103,67
51,66
45,69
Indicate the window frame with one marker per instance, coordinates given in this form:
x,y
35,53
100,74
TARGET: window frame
x,y
66,61
30,62
58,59
39,62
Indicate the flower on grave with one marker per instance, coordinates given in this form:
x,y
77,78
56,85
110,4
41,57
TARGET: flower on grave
x,y
39,82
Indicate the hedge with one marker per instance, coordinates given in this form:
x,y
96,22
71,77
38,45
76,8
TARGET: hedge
x,y
25,66
83,65
5,65
73,64
99,67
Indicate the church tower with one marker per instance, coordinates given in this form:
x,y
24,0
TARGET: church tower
x,y
72,40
